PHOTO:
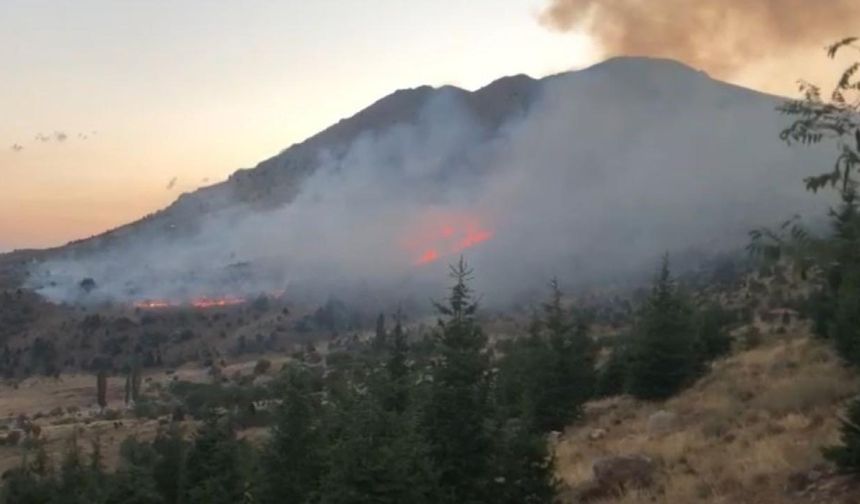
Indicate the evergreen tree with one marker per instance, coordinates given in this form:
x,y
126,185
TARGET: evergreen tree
x,y
78,481
31,483
169,468
546,377
847,455
380,338
456,417
664,355
376,456
101,388
844,279
525,472
133,482
711,334
293,462
133,485
214,475
612,377
569,365
397,368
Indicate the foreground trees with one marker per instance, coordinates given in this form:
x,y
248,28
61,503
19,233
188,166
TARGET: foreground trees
x,y
833,260
390,426
664,355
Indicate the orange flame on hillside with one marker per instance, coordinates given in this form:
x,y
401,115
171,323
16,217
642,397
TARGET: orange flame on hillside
x,y
444,234
201,303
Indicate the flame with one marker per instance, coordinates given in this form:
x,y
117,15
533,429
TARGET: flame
x,y
201,303
216,302
443,234
153,304
428,257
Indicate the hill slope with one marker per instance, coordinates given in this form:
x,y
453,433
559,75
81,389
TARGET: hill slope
x,y
585,175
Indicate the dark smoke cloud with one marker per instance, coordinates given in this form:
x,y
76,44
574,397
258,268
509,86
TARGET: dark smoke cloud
x,y
718,36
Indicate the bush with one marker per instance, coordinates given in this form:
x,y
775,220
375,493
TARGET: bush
x,y
802,394
262,366
147,409
111,414
847,455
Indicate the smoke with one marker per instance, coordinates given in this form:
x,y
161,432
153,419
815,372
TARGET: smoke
x,y
719,36
607,169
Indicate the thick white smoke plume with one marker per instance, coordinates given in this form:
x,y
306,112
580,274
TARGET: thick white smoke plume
x,y
604,171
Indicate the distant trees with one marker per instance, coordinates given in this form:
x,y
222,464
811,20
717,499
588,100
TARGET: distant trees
x,y
422,423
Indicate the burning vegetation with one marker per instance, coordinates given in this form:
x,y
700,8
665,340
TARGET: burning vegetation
x,y
444,235
199,302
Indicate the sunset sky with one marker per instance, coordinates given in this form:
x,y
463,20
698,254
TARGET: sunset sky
x,y
109,110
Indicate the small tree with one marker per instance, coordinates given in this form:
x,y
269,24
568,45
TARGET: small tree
x,y
569,365
664,348
380,338
847,455
525,468
214,475
101,388
293,461
397,368
456,417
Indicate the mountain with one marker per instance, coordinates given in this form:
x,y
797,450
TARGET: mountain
x,y
584,175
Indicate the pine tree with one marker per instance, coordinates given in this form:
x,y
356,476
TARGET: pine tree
x,y
31,483
570,372
101,388
612,377
664,355
397,369
711,335
78,481
213,469
169,471
293,461
380,338
525,470
376,456
456,417
847,455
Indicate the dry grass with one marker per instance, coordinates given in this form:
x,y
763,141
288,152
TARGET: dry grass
x,y
756,418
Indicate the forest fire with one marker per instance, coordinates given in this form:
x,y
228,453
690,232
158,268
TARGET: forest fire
x,y
200,303
443,234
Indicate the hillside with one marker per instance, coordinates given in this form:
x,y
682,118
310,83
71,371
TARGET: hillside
x,y
648,150
750,431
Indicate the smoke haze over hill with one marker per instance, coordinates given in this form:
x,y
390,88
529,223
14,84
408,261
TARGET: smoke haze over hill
x,y
587,175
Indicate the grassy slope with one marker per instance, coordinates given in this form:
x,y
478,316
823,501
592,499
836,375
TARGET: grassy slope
x,y
756,418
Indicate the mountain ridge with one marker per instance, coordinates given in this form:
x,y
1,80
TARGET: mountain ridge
x,y
254,186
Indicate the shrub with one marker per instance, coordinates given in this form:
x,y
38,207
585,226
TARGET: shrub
x,y
847,455
262,366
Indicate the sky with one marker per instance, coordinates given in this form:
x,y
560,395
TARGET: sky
x,y
109,110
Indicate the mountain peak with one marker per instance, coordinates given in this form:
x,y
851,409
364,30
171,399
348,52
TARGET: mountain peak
x,y
644,65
